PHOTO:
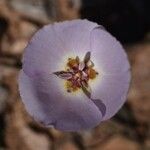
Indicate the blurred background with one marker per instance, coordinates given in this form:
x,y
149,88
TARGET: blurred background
x,y
128,21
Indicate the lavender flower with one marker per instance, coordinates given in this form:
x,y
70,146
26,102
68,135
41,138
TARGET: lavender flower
x,y
75,75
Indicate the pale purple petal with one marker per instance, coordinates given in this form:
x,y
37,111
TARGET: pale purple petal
x,y
43,53
34,100
75,36
107,53
48,103
113,67
78,115
112,91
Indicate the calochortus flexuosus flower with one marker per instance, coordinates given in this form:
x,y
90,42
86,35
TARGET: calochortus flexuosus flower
x,y
75,75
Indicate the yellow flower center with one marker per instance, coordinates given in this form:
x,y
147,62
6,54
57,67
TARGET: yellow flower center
x,y
78,73
79,77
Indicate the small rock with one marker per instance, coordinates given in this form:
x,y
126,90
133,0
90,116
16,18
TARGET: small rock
x,y
6,71
16,47
32,8
16,33
120,143
63,9
27,29
147,144
101,133
34,140
67,146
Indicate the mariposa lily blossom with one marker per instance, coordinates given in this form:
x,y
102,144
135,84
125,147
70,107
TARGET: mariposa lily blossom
x,y
75,75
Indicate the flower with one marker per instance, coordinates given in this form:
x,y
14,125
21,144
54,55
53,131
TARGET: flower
x,y
75,75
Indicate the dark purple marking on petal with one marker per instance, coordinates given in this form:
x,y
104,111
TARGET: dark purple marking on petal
x,y
63,75
87,57
100,105
86,89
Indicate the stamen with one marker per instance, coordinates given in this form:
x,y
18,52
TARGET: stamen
x,y
87,57
92,73
90,64
63,74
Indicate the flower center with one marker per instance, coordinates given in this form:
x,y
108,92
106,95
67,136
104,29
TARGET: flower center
x,y
78,73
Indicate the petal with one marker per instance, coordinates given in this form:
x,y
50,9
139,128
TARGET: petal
x,y
75,36
48,102
107,53
112,91
34,100
43,53
87,57
78,115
